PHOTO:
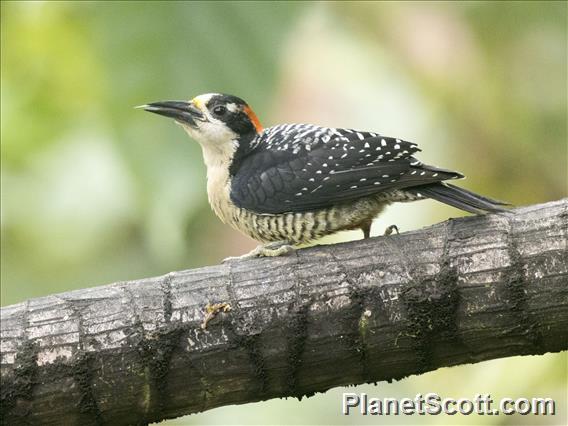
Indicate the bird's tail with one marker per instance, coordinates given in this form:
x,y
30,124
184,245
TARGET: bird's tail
x,y
458,197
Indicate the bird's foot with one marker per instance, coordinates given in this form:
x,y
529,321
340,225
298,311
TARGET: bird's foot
x,y
274,249
390,230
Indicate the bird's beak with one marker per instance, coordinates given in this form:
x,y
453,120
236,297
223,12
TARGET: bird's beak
x,y
181,111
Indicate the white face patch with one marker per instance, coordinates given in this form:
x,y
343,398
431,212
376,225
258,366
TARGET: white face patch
x,y
211,134
232,107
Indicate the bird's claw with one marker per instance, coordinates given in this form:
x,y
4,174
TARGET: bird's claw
x,y
278,248
390,230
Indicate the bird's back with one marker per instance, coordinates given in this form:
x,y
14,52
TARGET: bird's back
x,y
302,167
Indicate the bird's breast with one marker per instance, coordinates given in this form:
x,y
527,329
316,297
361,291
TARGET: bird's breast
x,y
218,193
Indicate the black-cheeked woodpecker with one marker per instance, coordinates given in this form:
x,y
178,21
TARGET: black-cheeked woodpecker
x,y
290,184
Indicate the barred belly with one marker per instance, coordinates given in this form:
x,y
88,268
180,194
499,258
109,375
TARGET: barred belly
x,y
303,227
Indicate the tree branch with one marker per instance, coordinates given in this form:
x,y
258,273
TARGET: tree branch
x,y
462,291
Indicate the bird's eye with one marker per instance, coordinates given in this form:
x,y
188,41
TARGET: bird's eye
x,y
219,110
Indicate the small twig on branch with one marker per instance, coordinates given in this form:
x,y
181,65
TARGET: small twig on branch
x,y
463,291
211,311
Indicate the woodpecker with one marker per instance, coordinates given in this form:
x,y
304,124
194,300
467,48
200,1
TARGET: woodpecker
x,y
291,184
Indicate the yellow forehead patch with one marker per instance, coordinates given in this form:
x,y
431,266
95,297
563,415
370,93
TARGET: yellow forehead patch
x,y
201,100
197,102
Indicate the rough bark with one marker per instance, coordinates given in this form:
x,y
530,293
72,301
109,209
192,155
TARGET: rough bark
x,y
459,292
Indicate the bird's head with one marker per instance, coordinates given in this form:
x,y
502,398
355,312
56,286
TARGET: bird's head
x,y
216,121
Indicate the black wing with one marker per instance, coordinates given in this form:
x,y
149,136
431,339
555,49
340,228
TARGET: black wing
x,y
298,167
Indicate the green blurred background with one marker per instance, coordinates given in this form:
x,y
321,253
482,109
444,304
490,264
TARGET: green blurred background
x,y
94,191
